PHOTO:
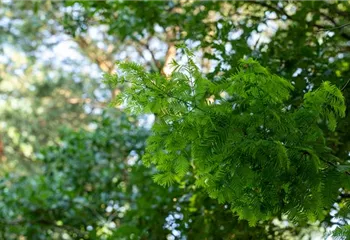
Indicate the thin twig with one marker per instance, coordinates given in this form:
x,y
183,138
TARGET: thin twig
x,y
345,85
334,28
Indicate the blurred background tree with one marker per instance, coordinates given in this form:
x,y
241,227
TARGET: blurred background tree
x,y
94,186
53,55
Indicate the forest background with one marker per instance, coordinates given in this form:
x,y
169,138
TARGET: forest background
x,y
71,166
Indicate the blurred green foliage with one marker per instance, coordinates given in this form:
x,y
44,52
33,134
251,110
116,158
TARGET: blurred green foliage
x,y
94,186
44,87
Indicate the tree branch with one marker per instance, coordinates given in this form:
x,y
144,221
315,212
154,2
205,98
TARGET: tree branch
x,y
322,27
95,54
171,52
345,195
147,47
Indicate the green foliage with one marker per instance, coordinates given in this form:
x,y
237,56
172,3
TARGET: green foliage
x,y
306,42
246,146
93,186
342,233
41,90
78,181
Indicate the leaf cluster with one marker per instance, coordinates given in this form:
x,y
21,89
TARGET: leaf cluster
x,y
245,145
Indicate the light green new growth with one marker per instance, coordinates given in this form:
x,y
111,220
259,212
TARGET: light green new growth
x,y
244,143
